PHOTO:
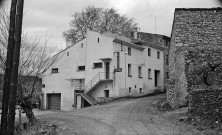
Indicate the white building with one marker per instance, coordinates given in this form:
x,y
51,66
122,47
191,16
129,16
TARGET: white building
x,y
103,65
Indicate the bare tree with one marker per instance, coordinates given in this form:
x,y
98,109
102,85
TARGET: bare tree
x,y
35,58
1,2
100,20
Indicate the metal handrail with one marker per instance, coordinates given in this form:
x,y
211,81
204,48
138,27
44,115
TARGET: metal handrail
x,y
98,77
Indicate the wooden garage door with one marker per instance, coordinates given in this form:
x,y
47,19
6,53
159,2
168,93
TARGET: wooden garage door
x,y
54,101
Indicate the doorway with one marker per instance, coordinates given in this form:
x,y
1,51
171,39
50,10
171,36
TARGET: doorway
x,y
106,92
107,68
157,77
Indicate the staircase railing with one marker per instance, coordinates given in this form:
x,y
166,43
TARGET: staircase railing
x,y
100,76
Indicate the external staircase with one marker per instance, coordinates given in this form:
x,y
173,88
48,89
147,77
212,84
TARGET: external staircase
x,y
88,89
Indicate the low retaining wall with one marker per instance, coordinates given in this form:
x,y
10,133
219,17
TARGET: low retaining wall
x,y
206,103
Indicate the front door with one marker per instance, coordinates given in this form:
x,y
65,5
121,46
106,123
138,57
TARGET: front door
x,y
107,70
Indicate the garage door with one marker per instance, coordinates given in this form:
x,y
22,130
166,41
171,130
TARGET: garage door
x,y
54,101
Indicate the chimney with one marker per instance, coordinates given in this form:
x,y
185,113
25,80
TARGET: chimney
x,y
135,30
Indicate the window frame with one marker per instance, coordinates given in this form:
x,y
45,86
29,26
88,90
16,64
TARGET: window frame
x,y
129,70
149,52
81,69
54,70
95,67
140,71
149,74
129,51
158,54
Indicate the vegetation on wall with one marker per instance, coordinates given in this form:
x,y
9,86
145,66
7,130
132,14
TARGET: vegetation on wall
x,y
204,65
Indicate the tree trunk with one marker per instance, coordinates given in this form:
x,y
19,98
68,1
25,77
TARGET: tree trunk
x,y
7,74
14,74
30,115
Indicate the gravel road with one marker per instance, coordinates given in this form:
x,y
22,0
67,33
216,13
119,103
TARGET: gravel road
x,y
126,117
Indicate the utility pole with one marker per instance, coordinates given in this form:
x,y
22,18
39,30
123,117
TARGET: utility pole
x,y
7,75
14,73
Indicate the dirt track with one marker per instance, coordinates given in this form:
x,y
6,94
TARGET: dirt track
x,y
128,117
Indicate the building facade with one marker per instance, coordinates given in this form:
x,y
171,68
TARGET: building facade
x,y
191,27
157,40
103,66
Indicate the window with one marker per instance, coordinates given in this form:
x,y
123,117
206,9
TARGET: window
x,y
149,73
43,85
67,53
55,70
158,55
167,75
140,72
167,59
130,90
141,90
81,45
118,60
129,51
132,34
81,68
98,40
149,52
129,70
97,65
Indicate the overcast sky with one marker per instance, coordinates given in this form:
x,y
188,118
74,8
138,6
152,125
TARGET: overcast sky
x,y
53,16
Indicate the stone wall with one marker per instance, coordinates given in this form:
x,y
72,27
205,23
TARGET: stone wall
x,y
191,27
206,103
170,86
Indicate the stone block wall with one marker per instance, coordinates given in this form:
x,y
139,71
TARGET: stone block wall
x,y
170,86
191,27
206,103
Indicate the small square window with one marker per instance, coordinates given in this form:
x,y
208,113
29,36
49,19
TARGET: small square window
x,y
81,68
149,52
55,70
97,65
129,51
43,85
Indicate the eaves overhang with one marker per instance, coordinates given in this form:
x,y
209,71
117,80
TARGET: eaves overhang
x,y
128,44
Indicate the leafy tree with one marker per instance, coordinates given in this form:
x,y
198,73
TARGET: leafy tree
x,y
100,20
205,65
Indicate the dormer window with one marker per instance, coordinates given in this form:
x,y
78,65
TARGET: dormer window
x,y
55,70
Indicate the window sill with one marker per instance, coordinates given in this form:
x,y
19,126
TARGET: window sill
x,y
54,72
140,77
129,75
96,67
80,70
150,78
